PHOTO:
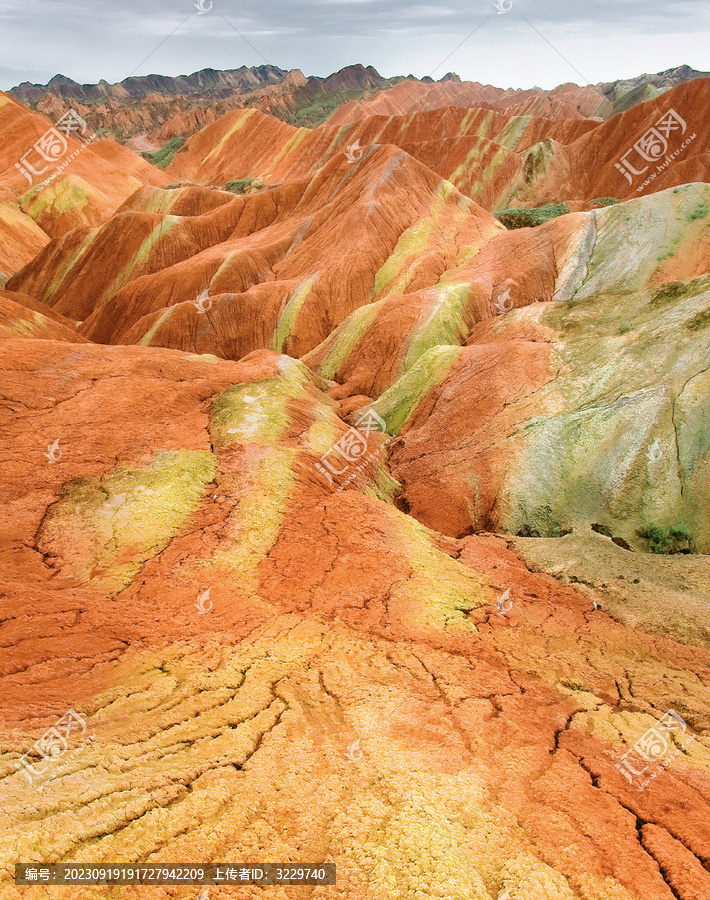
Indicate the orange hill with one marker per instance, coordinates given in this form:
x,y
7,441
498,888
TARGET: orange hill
x,y
496,159
93,181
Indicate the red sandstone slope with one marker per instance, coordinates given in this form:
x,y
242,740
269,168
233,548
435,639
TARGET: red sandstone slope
x,y
497,159
271,262
366,701
566,101
21,315
273,655
89,178
479,151
20,238
653,146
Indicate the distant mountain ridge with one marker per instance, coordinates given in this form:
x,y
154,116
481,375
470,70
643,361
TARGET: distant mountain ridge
x,y
221,82
151,110
217,82
178,106
629,92
213,83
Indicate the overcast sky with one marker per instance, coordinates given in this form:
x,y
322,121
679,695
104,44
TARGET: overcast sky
x,y
537,42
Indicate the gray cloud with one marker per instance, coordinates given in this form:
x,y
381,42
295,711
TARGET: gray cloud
x,y
603,39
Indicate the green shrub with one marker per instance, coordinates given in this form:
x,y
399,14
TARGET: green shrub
x,y
669,254
604,201
670,291
701,320
658,537
246,185
522,217
667,540
162,158
681,532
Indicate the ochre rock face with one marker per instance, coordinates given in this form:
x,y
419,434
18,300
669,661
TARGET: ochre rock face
x,y
20,314
606,163
20,239
478,150
328,507
567,101
500,159
266,666
88,180
277,253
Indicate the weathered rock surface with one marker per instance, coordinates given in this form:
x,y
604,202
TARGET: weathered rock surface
x,y
85,182
252,452
20,239
586,406
499,159
21,315
364,702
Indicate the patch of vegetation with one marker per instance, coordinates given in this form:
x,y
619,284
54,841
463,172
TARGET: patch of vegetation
x,y
246,185
312,110
702,320
681,532
530,218
573,685
677,290
603,201
316,113
671,291
700,212
162,158
658,537
662,540
526,531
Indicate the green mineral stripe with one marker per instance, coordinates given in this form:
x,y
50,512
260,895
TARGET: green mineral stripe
x,y
445,323
148,336
400,401
345,339
288,317
107,528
